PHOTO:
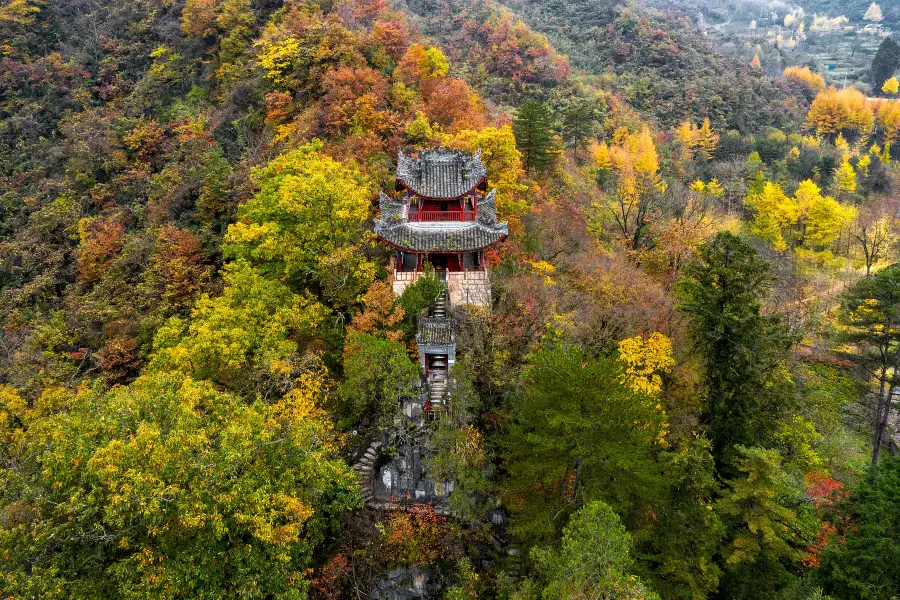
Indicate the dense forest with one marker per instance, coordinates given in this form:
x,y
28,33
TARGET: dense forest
x,y
685,384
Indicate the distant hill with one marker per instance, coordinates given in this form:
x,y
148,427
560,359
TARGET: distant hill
x,y
724,9
854,9
666,67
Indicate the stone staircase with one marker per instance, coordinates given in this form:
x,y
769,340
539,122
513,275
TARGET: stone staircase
x,y
365,469
442,305
514,561
403,468
437,381
438,372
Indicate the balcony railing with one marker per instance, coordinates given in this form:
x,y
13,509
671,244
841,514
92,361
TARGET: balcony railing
x,y
425,216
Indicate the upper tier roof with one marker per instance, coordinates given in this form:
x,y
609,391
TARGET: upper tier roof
x,y
441,173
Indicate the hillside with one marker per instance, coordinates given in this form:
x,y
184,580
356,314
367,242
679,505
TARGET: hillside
x,y
662,65
628,331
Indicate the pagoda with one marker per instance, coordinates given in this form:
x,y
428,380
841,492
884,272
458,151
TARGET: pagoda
x,y
442,215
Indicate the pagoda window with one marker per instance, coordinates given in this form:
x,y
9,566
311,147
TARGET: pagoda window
x,y
472,261
409,262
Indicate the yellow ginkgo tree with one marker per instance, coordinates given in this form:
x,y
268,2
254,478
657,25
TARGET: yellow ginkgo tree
x,y
644,361
775,212
634,163
698,141
307,225
808,219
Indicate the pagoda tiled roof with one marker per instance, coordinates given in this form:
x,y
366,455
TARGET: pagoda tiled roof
x,y
394,228
441,173
435,331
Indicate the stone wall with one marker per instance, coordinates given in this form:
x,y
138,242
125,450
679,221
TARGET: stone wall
x,y
466,287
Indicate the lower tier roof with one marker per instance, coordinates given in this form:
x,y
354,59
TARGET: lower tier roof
x,y
454,236
468,237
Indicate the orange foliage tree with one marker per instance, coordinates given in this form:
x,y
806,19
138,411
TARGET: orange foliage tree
x,y
421,63
812,81
825,492
382,313
101,242
178,269
355,98
844,112
515,51
452,103
392,35
887,113
416,536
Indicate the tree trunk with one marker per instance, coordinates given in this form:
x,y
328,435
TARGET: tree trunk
x,y
883,414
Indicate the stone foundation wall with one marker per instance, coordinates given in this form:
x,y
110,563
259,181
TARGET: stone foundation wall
x,y
471,288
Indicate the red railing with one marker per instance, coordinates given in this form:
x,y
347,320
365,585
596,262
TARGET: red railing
x,y
424,216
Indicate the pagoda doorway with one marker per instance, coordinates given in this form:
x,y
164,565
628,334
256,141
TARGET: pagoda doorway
x,y
445,263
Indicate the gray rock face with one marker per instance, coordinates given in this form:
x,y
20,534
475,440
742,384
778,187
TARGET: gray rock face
x,y
404,584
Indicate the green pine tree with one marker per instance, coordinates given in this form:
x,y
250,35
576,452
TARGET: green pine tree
x,y
866,563
534,135
768,536
574,440
742,349
872,316
593,560
885,63
579,124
